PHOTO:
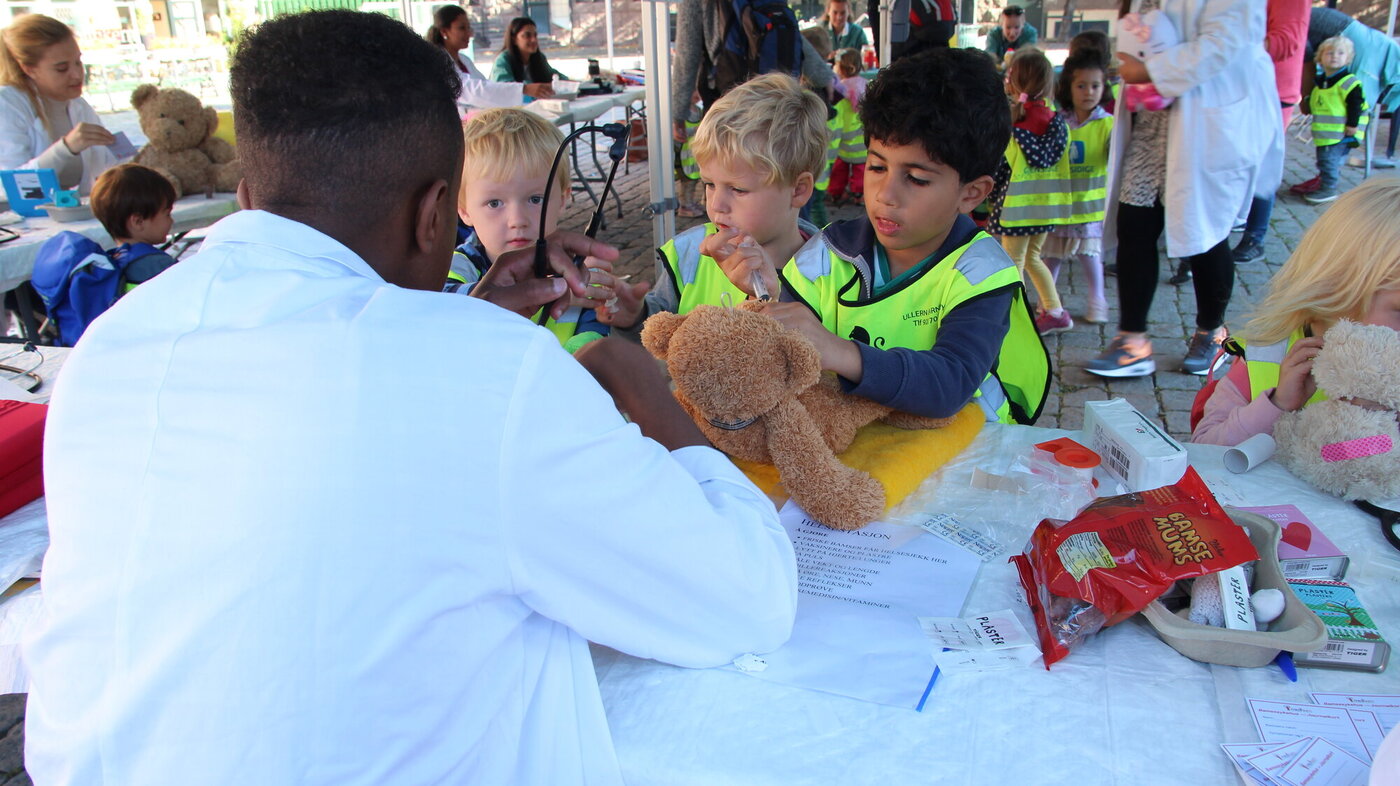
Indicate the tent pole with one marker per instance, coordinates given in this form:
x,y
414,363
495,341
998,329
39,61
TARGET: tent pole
x,y
656,59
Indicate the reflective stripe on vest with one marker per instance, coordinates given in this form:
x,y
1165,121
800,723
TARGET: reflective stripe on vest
x,y
1088,170
1329,106
565,326
1036,196
852,133
833,148
839,290
699,279
1263,362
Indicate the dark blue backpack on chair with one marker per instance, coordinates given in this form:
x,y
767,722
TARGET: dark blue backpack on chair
x,y
77,281
760,37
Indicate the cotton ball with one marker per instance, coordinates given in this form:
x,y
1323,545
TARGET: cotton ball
x,y
1207,608
1268,605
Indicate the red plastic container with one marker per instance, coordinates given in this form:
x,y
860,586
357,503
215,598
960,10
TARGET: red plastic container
x,y
21,454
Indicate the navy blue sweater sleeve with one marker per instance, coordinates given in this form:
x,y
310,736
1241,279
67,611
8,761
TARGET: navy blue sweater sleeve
x,y
1356,104
938,382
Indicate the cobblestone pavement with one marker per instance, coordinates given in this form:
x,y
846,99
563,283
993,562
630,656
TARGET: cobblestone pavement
x,y
1165,395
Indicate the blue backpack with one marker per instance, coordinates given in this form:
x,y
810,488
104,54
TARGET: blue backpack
x,y
77,280
760,37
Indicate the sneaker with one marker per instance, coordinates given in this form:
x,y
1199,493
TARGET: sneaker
x,y
1320,197
1119,361
1096,312
1202,351
1383,162
1047,323
1307,186
1247,251
1182,274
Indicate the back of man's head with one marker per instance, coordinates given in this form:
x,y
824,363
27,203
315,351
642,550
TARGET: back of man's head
x,y
949,101
342,113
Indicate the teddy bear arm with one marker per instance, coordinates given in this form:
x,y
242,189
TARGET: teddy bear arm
x,y
839,415
838,496
218,150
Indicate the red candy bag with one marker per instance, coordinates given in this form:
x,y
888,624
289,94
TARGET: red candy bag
x,y
1119,554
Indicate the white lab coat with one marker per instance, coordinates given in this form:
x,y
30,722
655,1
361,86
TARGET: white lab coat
x,y
480,92
1225,141
309,527
23,137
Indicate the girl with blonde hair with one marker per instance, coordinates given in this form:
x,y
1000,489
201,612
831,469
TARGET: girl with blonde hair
x,y
44,121
1346,267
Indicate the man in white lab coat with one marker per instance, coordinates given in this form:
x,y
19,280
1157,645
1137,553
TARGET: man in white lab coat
x,y
314,522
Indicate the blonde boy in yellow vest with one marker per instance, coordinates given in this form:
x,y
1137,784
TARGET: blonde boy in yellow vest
x,y
913,306
1339,110
504,178
759,149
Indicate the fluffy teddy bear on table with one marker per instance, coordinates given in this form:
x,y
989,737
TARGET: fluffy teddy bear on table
x,y
181,143
1349,443
757,391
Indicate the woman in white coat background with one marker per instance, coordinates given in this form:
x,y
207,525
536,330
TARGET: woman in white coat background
x,y
1191,169
44,121
452,30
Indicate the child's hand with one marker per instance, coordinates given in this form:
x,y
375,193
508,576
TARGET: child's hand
x,y
739,256
600,284
1295,382
837,353
1349,131
625,308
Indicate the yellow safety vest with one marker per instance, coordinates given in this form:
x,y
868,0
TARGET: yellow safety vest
x,y
1329,108
698,279
688,166
1088,170
852,149
1263,362
909,317
1036,196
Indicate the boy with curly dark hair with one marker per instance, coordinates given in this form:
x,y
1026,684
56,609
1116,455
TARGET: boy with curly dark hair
x,y
913,306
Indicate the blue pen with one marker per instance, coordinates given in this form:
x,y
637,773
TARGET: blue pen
x,y
1284,659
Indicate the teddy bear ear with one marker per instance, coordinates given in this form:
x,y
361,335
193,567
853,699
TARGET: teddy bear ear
x,y
657,332
143,94
802,362
211,121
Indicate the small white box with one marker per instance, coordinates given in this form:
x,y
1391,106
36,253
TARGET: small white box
x,y
1134,449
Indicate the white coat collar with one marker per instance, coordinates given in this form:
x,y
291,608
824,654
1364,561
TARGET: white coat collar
x,y
261,228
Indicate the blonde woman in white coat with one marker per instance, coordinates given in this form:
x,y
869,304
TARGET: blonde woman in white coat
x,y
1190,169
44,121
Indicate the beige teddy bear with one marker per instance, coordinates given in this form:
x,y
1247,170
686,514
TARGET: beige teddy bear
x,y
756,390
181,144
1349,444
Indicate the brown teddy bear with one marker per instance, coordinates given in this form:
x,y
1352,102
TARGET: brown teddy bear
x,y
1349,444
181,144
762,397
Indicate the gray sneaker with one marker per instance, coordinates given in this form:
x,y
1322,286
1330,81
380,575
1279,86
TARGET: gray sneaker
x,y
1202,352
1320,197
1118,361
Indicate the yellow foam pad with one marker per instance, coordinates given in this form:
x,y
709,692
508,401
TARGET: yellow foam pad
x,y
225,129
899,458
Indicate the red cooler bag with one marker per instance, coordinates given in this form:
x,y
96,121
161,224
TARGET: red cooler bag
x,y
21,454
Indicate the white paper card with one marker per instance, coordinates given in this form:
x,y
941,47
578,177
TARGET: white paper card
x,y
1273,762
1385,706
1324,764
991,631
948,527
1279,721
1240,753
122,147
858,603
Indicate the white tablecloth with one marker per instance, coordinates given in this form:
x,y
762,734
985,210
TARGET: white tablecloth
x,y
1123,709
17,256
